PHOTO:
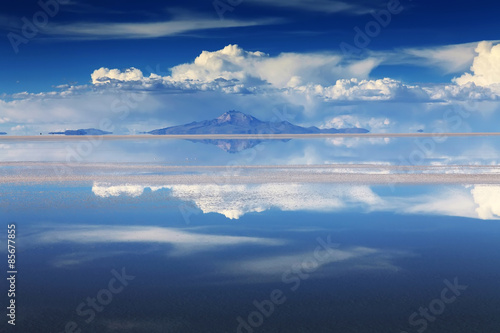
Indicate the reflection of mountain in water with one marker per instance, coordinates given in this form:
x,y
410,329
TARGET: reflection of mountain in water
x,y
234,146
234,122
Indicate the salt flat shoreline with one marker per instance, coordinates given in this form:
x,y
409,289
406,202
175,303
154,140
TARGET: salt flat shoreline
x,y
338,178
235,136
43,173
200,167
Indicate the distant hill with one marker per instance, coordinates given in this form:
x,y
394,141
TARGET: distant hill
x,y
88,131
234,122
3,133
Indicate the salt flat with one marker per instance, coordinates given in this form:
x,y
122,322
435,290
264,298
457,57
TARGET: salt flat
x,y
39,172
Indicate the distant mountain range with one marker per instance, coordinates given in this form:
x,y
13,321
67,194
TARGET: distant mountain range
x,y
88,131
231,122
234,122
3,133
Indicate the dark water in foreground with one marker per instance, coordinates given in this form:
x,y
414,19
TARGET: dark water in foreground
x,y
367,259
174,236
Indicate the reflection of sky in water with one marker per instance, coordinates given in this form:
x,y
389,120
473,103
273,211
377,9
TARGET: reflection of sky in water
x,y
382,259
202,253
236,200
233,201
399,151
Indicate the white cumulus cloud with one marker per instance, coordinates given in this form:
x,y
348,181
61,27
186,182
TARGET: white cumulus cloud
x,y
104,75
485,68
366,90
326,76
316,86
233,66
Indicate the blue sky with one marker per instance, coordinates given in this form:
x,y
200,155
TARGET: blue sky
x,y
140,64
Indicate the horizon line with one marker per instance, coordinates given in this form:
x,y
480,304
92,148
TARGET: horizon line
x,y
59,137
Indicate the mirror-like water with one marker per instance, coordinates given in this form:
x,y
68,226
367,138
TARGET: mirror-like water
x,y
158,243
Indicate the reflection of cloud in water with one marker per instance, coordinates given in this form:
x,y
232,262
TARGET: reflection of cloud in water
x,y
233,201
487,199
450,202
271,265
478,201
356,142
184,242
77,258
116,190
267,268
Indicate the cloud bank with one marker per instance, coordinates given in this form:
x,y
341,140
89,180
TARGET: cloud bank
x,y
313,87
329,76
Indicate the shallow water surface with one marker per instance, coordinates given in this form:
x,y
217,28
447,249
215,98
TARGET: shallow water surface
x,y
281,246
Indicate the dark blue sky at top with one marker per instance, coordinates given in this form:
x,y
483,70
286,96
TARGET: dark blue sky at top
x,y
48,60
